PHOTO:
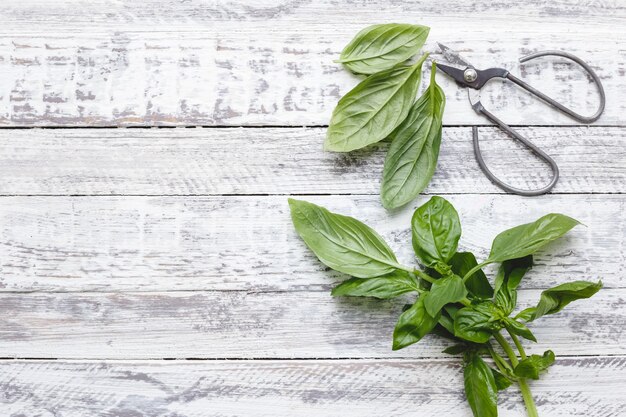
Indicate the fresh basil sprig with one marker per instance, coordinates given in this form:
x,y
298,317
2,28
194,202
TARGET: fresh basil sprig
x,y
383,106
469,311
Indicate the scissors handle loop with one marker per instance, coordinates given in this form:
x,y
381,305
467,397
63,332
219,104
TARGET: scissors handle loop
x,y
540,154
479,108
551,101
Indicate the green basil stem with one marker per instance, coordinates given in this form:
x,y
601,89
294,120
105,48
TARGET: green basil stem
x,y
523,385
507,348
518,344
423,275
528,398
495,359
474,269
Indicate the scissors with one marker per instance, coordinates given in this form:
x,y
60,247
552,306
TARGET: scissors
x,y
466,75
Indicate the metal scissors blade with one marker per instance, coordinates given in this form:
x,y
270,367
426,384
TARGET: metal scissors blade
x,y
458,74
452,56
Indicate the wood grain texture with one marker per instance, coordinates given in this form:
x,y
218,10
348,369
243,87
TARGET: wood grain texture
x,y
79,63
289,160
573,387
262,325
248,243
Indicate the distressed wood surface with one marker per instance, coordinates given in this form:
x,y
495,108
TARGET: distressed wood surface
x,y
248,243
128,246
262,325
573,387
84,63
290,160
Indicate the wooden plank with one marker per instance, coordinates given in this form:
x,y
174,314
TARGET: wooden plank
x,y
74,14
261,325
116,63
248,243
572,387
289,160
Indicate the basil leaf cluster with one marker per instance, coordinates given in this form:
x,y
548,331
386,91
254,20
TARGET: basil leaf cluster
x,y
383,106
453,296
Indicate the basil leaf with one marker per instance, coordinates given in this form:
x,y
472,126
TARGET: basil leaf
x,y
380,47
502,382
413,324
456,349
386,286
526,239
555,299
412,156
451,310
519,329
341,242
477,284
534,364
373,109
480,388
526,314
445,290
476,323
436,231
509,276
447,324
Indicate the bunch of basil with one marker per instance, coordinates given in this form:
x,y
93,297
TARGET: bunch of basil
x,y
455,298
383,106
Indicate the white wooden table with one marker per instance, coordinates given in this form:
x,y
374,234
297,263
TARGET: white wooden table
x,y
155,272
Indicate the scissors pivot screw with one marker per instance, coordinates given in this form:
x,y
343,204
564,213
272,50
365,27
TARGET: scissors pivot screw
x,y
470,75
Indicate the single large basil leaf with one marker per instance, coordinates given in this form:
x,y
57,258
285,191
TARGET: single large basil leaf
x,y
380,47
413,324
341,242
555,299
480,387
477,323
445,290
519,329
436,231
387,286
534,364
373,109
508,279
412,156
526,239
477,284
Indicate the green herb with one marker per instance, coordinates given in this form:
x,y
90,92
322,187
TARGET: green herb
x,y
342,243
383,106
412,156
480,387
374,108
436,230
380,47
387,286
534,364
468,311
